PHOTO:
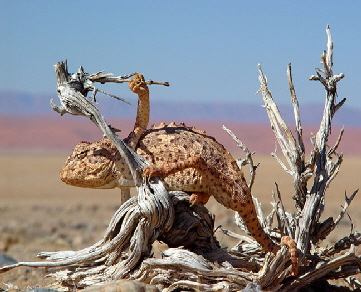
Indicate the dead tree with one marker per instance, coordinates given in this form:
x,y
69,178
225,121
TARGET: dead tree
x,y
201,265
322,167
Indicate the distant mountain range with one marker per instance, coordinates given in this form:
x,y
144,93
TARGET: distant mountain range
x,y
32,104
29,124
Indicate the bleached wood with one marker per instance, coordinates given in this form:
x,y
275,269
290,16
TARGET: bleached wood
x,y
195,259
322,166
248,160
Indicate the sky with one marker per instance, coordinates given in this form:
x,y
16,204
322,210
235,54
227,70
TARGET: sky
x,y
207,50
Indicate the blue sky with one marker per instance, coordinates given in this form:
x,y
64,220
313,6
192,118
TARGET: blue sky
x,y
207,50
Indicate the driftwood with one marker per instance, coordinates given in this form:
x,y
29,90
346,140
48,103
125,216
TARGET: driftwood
x,y
194,260
322,166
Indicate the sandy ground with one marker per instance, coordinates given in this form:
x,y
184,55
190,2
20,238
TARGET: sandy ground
x,y
40,213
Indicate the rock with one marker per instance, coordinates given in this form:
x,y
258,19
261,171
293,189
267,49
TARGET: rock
x,y
122,286
42,290
6,260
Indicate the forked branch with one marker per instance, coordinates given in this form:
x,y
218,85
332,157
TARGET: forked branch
x,y
323,166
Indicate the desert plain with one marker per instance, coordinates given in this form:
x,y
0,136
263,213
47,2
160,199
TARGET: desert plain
x,y
40,213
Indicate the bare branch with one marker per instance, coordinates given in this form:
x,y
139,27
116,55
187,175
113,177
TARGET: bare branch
x,y
315,201
292,151
334,148
295,109
96,77
281,163
248,160
284,222
348,201
322,270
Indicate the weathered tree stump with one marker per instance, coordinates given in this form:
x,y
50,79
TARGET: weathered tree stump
x,y
194,260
